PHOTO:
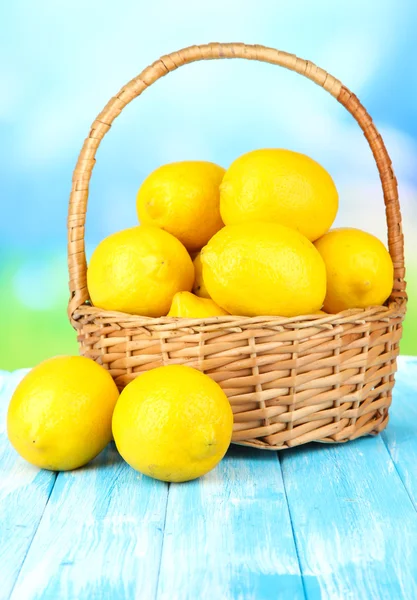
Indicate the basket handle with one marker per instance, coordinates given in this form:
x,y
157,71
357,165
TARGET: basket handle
x,y
77,265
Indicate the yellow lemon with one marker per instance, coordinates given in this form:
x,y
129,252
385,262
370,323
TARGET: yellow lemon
x,y
59,417
264,269
279,186
139,271
199,287
359,269
173,423
190,306
183,198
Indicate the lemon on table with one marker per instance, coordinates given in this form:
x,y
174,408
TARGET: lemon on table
x,y
264,269
185,304
173,423
279,186
199,287
359,269
183,198
138,271
59,417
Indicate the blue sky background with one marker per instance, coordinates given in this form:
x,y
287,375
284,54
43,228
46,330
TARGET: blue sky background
x,y
62,61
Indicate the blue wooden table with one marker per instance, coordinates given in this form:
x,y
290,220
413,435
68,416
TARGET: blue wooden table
x,y
329,522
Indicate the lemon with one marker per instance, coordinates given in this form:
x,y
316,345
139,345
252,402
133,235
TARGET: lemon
x,y
279,186
183,198
359,269
199,287
138,271
59,417
173,423
264,269
190,306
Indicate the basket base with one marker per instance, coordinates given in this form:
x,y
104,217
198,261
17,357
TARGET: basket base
x,y
378,425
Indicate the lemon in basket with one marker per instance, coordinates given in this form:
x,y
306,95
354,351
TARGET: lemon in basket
x,y
138,271
359,268
183,198
264,269
173,423
190,306
199,287
279,186
60,415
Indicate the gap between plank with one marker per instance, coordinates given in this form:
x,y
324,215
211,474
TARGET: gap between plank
x,y
292,527
162,543
56,473
397,471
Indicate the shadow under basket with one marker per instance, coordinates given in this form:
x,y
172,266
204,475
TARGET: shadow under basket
x,y
323,378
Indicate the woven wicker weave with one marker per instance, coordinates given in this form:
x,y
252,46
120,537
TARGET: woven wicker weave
x,y
289,381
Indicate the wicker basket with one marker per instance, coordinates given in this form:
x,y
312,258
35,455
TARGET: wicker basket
x,y
289,380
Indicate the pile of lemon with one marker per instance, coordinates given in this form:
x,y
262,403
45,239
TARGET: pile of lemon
x,y
259,238
252,240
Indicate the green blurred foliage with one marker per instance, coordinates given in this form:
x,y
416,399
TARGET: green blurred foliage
x,y
31,334
409,339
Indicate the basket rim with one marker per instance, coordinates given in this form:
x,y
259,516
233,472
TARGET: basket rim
x,y
394,309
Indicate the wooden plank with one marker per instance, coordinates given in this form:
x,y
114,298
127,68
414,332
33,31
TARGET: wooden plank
x,y
401,435
24,493
355,526
100,536
228,535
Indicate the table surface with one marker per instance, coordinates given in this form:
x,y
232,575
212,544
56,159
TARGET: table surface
x,y
318,521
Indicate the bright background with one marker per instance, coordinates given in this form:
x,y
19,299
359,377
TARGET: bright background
x,y
61,60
